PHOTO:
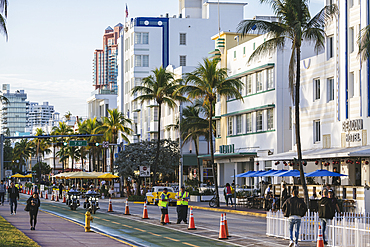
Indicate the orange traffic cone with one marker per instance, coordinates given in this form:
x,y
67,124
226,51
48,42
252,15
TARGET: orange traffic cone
x,y
46,195
145,212
222,234
52,196
28,192
320,241
56,197
127,210
226,227
41,194
110,206
64,198
167,219
191,220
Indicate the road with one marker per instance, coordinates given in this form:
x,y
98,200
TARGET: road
x,y
245,230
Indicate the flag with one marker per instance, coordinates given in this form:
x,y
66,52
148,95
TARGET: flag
x,y
126,11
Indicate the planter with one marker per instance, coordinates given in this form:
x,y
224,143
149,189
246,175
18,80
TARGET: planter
x,y
206,198
195,198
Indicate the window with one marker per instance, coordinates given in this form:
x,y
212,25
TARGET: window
x,y
351,41
182,38
270,119
243,50
270,78
254,46
234,54
330,89
290,118
316,130
316,85
230,126
142,38
249,84
259,120
249,123
218,128
330,47
182,60
239,124
351,84
259,81
141,60
350,3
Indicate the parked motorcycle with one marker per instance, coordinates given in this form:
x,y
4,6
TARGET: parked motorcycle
x,y
92,202
73,200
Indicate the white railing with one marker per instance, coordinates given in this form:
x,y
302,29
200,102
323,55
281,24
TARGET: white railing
x,y
348,228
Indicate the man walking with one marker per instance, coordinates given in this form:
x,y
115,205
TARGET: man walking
x,y
13,196
326,211
295,209
2,192
182,205
61,187
163,204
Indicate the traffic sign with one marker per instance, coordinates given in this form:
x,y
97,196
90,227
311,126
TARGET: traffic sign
x,y
105,144
144,171
8,173
79,143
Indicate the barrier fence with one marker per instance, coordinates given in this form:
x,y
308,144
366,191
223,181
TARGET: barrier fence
x,y
347,229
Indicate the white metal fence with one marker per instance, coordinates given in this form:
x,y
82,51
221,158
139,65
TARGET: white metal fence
x,y
347,230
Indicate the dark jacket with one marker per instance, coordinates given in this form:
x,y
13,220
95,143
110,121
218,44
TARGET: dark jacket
x,y
285,195
36,201
294,206
326,210
13,193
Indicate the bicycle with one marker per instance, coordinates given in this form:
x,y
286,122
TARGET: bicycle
x,y
214,202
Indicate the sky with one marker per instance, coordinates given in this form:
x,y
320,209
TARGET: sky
x,y
50,45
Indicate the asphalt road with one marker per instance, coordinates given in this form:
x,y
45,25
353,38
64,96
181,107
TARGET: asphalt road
x,y
245,230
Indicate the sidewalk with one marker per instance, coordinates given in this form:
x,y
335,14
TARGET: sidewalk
x,y
55,231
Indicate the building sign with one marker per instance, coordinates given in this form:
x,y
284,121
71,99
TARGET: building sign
x,y
353,125
225,149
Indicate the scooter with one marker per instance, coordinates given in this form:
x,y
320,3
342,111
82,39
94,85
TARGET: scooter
x,y
92,202
73,200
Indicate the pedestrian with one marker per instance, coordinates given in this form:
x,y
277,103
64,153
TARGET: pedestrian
x,y
33,204
2,192
228,194
295,209
61,187
284,195
163,204
13,194
334,202
326,211
182,205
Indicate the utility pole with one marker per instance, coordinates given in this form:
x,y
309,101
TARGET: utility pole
x,y
2,172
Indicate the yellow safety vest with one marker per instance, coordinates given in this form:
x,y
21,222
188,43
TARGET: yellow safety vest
x,y
163,203
181,202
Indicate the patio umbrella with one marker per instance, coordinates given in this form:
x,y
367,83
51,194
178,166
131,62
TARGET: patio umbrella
x,y
28,176
255,174
242,175
324,173
269,173
276,173
108,176
81,175
290,173
17,175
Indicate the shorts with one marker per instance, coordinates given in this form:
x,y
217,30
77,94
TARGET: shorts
x,y
164,210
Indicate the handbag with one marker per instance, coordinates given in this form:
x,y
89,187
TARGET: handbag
x,y
27,208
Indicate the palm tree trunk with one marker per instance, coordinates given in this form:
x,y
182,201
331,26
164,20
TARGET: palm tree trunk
x,y
111,159
91,167
297,126
214,168
54,158
158,144
197,154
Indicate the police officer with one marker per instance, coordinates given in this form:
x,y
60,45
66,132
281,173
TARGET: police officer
x,y
163,204
182,205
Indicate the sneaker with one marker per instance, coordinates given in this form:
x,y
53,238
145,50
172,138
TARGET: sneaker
x,y
325,242
291,244
15,213
11,213
296,245
31,228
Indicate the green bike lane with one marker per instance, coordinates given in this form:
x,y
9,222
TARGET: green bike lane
x,y
133,229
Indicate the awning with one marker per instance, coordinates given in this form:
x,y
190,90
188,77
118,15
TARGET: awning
x,y
229,155
323,153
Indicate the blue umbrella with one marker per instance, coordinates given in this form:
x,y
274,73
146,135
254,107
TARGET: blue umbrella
x,y
291,173
324,173
255,174
242,175
269,173
277,173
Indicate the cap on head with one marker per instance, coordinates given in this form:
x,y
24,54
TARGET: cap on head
x,y
91,186
183,187
164,189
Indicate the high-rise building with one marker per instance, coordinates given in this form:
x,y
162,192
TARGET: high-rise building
x,y
14,113
40,115
105,61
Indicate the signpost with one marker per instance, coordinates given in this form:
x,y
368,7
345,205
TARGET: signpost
x,y
144,171
105,144
79,143
8,173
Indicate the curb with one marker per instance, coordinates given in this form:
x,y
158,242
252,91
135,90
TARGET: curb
x,y
230,211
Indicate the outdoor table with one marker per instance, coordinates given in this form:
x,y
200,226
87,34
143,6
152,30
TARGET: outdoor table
x,y
349,205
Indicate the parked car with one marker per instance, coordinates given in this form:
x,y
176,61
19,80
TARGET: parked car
x,y
154,194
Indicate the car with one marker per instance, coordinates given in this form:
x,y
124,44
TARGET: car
x,y
154,194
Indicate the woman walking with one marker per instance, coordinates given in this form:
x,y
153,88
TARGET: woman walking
x,y
33,203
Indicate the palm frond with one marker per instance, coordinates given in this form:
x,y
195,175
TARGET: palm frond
x,y
364,43
268,47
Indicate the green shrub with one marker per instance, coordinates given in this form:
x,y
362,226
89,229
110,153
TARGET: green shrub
x,y
136,198
208,192
194,193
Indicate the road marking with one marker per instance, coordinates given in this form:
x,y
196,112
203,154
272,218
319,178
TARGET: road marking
x,y
140,229
190,244
155,234
172,239
231,211
105,219
115,222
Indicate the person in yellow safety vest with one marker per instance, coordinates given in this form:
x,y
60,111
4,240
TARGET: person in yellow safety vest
x,y
182,205
163,204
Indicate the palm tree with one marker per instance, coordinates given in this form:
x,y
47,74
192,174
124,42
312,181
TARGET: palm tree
x,y
68,115
74,153
192,127
112,125
41,145
3,16
206,82
163,89
91,127
364,43
22,151
62,129
295,25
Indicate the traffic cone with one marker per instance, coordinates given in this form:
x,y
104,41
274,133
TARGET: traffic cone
x,y
167,219
52,196
320,241
145,212
222,234
226,227
56,197
127,210
28,192
110,206
191,220
41,194
64,198
46,195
